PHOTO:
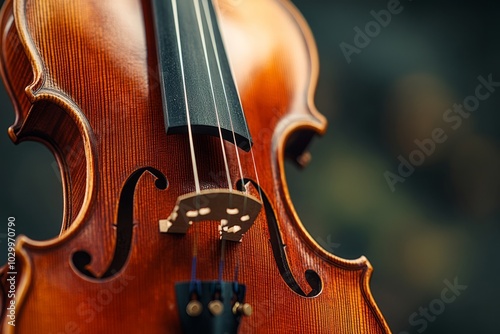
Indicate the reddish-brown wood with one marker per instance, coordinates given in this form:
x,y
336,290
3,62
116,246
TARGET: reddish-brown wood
x,y
82,76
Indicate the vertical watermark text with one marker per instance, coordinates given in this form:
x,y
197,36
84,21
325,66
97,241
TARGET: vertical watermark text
x,y
12,272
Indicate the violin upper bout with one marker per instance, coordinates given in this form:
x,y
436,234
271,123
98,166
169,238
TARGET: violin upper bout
x,y
29,88
304,128
272,50
15,68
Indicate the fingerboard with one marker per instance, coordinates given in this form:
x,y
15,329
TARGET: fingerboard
x,y
198,89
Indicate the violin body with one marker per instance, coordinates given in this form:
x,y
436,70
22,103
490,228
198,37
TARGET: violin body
x,y
84,81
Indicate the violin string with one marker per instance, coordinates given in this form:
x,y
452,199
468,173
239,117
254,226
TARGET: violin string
x,y
207,14
190,132
208,17
222,259
202,35
236,270
237,266
224,155
195,255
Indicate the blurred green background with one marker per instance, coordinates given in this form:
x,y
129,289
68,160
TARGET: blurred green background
x,y
441,223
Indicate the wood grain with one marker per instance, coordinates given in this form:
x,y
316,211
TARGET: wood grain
x,y
83,77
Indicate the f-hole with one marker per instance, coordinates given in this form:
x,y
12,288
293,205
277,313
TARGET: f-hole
x,y
124,227
278,248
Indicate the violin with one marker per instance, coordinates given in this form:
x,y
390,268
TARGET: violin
x,y
170,121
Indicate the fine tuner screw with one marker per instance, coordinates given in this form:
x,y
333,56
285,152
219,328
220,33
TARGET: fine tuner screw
x,y
216,307
243,309
194,308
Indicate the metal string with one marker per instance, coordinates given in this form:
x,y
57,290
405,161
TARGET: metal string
x,y
228,176
191,143
212,36
190,132
208,17
202,34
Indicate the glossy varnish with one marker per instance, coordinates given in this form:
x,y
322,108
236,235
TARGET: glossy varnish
x,y
83,75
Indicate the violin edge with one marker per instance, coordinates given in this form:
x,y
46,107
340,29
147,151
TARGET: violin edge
x,y
316,123
38,93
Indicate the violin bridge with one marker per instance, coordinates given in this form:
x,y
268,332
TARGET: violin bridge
x,y
235,210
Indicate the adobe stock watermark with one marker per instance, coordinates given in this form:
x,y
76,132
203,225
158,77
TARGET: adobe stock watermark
x,y
420,319
372,29
453,117
328,245
88,310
